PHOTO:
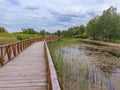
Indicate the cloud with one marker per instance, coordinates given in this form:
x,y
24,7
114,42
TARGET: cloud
x,y
30,7
50,15
91,13
70,18
14,2
64,18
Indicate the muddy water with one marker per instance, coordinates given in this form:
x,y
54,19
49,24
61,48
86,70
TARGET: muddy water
x,y
86,69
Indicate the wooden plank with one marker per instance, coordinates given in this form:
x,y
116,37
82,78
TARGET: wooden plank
x,y
44,87
27,71
29,84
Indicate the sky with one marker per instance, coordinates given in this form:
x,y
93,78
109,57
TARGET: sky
x,y
50,15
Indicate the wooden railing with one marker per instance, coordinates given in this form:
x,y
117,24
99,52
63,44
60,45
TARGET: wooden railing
x,y
50,39
53,80
9,51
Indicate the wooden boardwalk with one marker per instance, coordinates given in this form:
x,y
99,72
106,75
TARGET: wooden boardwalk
x,y
27,71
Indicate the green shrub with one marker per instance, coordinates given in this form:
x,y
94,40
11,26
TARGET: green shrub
x,y
22,37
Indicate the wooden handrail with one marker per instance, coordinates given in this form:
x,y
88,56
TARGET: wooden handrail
x,y
50,39
53,80
9,51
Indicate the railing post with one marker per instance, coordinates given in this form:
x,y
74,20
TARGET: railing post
x,y
9,51
1,57
14,49
21,47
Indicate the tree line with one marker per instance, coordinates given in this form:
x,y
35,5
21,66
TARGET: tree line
x,y
105,27
26,31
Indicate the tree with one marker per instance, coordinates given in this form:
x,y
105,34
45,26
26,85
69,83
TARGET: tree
x,y
64,33
106,26
43,33
92,28
2,29
110,21
28,31
58,33
81,29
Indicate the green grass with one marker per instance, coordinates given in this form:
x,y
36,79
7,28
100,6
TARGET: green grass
x,y
26,36
63,41
6,38
117,41
72,73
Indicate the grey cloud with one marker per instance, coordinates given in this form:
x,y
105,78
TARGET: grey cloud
x,y
64,18
14,2
91,13
32,8
67,17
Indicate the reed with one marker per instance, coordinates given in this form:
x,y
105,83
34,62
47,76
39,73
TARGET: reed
x,y
73,74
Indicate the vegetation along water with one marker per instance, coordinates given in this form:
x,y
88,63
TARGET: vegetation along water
x,y
82,66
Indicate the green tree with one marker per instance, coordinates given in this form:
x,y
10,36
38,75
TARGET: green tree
x,y
105,27
92,28
110,21
2,29
43,33
58,33
81,29
28,31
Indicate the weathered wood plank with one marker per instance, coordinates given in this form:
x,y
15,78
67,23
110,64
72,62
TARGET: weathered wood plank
x,y
27,71
44,87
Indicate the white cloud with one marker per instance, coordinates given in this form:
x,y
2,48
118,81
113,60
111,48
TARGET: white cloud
x,y
50,14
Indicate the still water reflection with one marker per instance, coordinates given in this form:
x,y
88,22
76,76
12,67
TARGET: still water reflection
x,y
83,71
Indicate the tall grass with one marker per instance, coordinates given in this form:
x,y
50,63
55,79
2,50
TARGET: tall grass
x,y
6,38
26,36
73,74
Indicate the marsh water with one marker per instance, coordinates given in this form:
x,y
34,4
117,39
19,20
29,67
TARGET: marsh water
x,y
85,68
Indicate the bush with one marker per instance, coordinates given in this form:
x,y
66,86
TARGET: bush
x,y
84,35
22,37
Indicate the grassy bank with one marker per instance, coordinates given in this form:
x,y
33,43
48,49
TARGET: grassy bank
x,y
6,38
64,41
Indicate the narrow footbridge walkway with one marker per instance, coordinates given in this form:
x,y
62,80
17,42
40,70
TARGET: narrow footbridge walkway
x,y
27,71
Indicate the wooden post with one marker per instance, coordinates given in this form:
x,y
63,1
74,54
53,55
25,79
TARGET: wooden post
x,y
1,57
14,49
9,51
18,49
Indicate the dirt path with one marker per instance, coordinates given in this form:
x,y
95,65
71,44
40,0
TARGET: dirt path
x,y
102,43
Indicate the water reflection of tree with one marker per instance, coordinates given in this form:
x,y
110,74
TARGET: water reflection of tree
x,y
101,78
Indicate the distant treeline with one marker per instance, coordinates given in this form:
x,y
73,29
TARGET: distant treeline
x,y
105,27
26,31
